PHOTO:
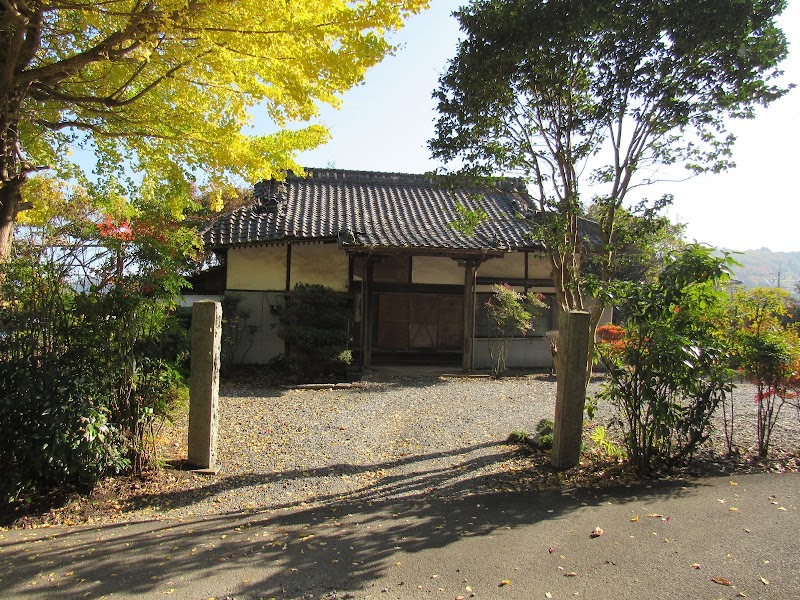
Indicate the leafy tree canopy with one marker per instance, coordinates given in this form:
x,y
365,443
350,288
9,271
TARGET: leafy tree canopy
x,y
642,240
558,89
167,86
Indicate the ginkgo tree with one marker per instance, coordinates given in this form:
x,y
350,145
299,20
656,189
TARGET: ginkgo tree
x,y
169,86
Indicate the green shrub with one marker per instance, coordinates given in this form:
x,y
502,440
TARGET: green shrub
x,y
604,446
314,323
670,370
509,312
767,353
237,332
81,378
520,436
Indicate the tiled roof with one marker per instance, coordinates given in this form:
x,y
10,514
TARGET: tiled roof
x,y
374,210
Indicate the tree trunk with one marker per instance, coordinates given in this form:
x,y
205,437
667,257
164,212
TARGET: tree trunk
x,y
9,206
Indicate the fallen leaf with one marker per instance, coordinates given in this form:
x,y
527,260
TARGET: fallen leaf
x,y
596,533
722,581
504,583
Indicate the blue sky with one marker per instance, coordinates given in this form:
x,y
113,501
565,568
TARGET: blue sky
x,y
385,123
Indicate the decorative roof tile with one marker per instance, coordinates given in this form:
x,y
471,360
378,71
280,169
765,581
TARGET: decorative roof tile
x,y
376,210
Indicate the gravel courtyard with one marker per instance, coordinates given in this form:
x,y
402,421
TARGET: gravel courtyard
x,y
387,437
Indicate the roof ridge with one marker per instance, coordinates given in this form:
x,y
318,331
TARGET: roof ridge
x,y
330,174
505,184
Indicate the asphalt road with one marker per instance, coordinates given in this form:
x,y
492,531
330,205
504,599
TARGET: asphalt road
x,y
710,538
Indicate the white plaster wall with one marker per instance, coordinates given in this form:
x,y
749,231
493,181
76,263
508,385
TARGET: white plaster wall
x,y
538,267
512,266
325,264
190,299
436,270
263,344
257,268
608,311
526,353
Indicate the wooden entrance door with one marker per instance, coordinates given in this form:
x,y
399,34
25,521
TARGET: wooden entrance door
x,y
424,322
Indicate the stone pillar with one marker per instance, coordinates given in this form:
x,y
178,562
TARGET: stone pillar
x,y
204,384
573,350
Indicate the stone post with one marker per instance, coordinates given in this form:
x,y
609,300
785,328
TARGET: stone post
x,y
573,353
204,384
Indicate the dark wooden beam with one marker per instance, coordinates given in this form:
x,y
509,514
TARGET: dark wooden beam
x,y
366,318
470,268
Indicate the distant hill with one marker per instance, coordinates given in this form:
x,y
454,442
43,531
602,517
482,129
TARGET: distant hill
x,y
763,268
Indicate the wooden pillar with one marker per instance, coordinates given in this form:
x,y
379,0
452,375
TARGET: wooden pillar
x,y
366,317
470,267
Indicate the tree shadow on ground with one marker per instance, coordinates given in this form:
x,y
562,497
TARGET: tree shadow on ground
x,y
244,390
443,480
345,542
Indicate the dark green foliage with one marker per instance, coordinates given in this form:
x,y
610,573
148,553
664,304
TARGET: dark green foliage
x,y
82,381
616,94
314,323
520,436
570,69
641,239
671,370
544,432
544,88
541,440
283,368
237,332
